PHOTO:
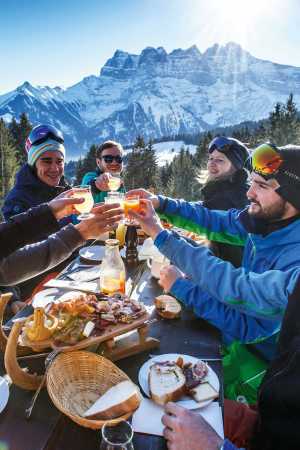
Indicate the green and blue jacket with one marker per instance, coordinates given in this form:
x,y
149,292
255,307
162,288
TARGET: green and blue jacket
x,y
89,179
247,303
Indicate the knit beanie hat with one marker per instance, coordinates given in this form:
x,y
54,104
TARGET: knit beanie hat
x,y
236,151
288,175
50,145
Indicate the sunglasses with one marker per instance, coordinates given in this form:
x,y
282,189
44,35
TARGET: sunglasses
x,y
266,160
219,143
109,159
41,133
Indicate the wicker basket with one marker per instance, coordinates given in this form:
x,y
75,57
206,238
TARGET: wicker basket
x,y
75,380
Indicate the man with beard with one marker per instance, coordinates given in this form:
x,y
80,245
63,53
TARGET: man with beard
x,y
226,186
247,303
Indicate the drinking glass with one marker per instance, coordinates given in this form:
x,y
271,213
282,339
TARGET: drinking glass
x,y
115,197
114,181
84,208
117,437
131,203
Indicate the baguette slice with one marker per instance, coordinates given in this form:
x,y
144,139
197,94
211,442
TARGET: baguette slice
x,y
120,399
204,391
166,383
167,306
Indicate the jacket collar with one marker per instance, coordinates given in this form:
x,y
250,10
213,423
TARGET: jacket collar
x,y
238,178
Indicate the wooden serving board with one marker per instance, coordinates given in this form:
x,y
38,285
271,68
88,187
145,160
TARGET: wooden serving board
x,y
110,332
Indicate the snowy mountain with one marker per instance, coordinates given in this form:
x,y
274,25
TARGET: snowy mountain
x,y
158,94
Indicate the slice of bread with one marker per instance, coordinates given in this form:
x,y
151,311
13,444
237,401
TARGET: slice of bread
x,y
166,382
167,306
204,391
120,399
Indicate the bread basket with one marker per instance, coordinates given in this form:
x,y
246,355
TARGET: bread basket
x,y
76,379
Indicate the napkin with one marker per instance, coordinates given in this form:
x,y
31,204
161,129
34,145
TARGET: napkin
x,y
88,274
65,284
147,419
149,251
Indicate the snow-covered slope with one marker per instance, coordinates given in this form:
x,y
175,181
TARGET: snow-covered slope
x,y
165,151
158,94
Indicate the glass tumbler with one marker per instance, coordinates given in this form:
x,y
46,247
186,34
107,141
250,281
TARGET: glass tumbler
x,y
117,437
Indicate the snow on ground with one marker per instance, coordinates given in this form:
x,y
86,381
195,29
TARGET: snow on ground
x,y
165,151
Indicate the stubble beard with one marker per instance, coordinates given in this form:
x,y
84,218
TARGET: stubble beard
x,y
272,213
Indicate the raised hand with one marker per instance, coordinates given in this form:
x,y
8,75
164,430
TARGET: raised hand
x,y
63,204
147,218
105,218
101,182
143,194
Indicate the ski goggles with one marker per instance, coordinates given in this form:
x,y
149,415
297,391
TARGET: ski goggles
x,y
42,133
220,143
266,160
109,159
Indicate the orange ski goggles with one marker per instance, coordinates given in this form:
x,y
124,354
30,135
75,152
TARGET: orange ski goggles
x,y
266,160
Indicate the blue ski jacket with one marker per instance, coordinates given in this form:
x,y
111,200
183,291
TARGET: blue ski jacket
x,y
246,303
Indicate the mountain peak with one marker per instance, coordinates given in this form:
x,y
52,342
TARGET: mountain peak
x,y
153,55
231,50
158,94
25,85
193,50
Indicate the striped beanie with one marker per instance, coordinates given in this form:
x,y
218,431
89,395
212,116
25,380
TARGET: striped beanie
x,y
36,151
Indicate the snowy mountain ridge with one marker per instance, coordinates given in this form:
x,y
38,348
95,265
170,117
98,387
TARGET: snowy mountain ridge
x,y
158,94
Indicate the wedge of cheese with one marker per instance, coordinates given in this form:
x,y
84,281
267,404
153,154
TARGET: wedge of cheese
x,y
204,391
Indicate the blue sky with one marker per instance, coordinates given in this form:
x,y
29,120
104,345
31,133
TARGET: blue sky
x,y
58,42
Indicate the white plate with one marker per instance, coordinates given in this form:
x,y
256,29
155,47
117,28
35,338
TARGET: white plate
x,y
186,402
42,298
4,393
96,253
92,253
56,295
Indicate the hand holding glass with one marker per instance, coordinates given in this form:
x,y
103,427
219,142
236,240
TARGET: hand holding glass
x,y
114,181
84,208
131,202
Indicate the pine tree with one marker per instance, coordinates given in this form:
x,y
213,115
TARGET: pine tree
x,y
291,121
87,164
284,123
134,173
19,132
150,167
276,119
259,136
8,162
201,153
182,183
165,173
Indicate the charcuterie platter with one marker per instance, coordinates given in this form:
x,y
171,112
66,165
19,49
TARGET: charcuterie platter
x,y
78,322
81,320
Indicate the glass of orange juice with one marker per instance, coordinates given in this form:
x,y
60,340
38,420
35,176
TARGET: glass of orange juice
x,y
84,208
131,202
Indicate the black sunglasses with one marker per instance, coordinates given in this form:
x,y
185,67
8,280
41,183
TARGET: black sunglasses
x,y
109,159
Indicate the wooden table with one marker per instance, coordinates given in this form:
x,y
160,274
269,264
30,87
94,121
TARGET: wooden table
x,y
48,429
